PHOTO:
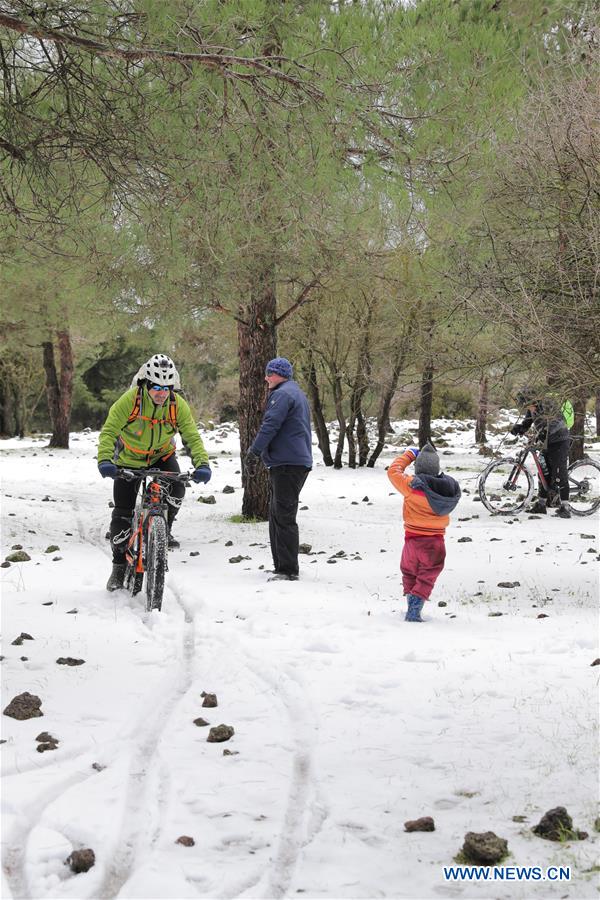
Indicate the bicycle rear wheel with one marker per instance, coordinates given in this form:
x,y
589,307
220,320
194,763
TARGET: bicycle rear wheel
x,y
156,562
505,486
584,487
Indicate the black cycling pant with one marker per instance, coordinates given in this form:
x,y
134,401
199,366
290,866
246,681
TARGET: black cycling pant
x,y
124,496
557,461
286,484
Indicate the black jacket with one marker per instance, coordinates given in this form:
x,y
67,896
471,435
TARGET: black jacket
x,y
547,421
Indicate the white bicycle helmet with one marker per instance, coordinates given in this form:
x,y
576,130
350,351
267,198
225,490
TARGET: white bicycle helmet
x,y
159,369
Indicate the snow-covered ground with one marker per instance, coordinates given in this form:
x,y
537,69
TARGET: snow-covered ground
x,y
348,721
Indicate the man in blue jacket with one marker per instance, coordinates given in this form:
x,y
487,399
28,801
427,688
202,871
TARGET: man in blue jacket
x,y
284,444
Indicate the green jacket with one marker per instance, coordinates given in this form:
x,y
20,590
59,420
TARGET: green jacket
x,y
150,436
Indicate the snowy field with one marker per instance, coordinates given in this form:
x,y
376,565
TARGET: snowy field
x,y
348,721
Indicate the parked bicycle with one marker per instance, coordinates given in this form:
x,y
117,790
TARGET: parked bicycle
x,y
507,484
146,553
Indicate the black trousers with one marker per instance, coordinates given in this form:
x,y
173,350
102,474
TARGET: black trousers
x,y
124,495
557,460
286,484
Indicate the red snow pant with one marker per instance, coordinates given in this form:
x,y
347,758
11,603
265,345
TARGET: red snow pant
x,y
421,562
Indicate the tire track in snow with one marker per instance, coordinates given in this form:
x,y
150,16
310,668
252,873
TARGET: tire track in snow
x,y
138,831
144,770
14,856
305,811
304,814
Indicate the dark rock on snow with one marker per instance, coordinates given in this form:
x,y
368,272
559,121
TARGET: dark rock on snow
x,y
69,661
19,556
485,848
201,723
24,706
210,700
186,840
228,489
220,733
425,823
81,860
22,637
509,584
557,825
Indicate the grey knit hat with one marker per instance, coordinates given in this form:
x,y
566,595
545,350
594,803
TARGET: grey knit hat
x,y
427,462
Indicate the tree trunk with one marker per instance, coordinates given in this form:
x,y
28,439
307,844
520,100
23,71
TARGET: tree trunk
x,y
257,343
597,415
578,430
59,388
318,417
351,444
361,383
339,411
7,408
426,403
482,412
363,438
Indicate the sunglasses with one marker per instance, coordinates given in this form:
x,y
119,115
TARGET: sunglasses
x,y
159,387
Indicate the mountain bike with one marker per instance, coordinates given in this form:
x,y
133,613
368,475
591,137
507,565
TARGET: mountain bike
x,y
146,552
507,485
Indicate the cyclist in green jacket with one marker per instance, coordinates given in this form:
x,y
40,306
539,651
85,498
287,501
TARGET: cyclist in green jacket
x,y
139,432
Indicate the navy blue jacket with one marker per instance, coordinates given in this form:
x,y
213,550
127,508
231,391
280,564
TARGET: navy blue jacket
x,y
442,492
285,438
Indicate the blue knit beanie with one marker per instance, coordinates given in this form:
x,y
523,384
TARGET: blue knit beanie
x,y
280,366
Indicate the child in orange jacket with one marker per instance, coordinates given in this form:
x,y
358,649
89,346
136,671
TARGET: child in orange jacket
x,y
429,498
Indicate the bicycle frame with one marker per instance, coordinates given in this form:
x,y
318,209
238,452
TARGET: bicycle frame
x,y
152,503
520,464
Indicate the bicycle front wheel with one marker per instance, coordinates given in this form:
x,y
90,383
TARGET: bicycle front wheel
x,y
133,580
584,487
156,562
505,486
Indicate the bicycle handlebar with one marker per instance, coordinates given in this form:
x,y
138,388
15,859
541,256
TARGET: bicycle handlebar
x,y
158,474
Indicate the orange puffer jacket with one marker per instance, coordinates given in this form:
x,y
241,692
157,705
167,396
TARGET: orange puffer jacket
x,y
428,499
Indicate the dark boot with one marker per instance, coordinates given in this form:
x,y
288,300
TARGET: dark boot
x,y
117,577
415,605
563,511
172,543
539,507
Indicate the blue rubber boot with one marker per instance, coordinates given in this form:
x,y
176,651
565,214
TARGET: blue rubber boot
x,y
415,605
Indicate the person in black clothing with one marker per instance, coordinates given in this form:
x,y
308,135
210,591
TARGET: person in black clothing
x,y
551,431
284,442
